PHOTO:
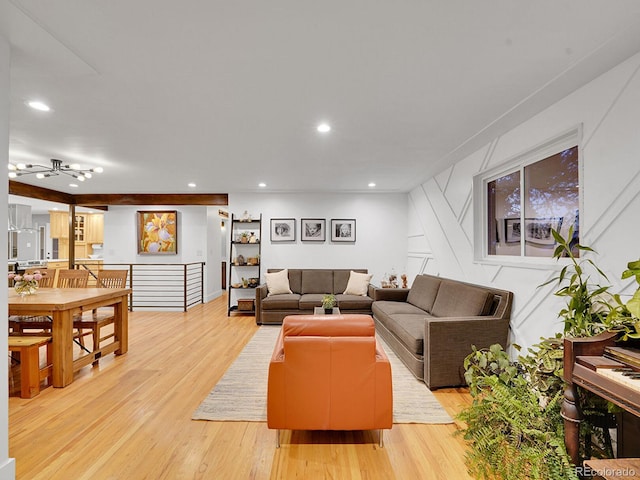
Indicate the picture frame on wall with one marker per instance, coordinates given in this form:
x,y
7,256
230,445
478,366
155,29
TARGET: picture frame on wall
x,y
343,230
512,230
313,229
157,232
538,230
283,230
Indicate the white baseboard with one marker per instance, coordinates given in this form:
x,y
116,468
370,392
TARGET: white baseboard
x,y
8,469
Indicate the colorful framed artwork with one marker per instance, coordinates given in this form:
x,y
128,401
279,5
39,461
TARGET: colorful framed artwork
x,y
283,230
343,230
313,229
158,232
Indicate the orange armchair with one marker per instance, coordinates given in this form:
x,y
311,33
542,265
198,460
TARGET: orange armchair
x,y
329,373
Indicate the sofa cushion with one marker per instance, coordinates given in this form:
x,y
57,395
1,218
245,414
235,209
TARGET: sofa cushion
x,y
308,301
353,302
295,280
459,300
358,283
389,307
317,281
423,292
278,282
287,301
409,328
341,278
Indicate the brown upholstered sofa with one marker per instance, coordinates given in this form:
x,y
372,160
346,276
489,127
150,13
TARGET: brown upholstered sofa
x,y
329,373
432,325
308,286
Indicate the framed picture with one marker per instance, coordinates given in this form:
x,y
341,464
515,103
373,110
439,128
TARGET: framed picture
x,y
538,230
512,230
313,229
283,229
343,230
158,232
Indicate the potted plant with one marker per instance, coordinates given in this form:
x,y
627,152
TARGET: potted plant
x,y
513,425
244,237
515,413
328,302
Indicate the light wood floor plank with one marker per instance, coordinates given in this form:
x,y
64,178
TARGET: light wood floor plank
x,y
130,418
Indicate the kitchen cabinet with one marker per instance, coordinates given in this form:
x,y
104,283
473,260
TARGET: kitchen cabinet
x,y
64,264
58,224
88,229
95,228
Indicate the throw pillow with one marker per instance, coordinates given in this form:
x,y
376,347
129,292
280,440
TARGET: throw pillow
x,y
278,282
358,283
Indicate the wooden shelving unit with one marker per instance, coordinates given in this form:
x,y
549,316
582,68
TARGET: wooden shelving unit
x,y
244,262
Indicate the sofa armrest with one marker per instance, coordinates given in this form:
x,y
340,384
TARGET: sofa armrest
x,y
261,293
391,294
448,340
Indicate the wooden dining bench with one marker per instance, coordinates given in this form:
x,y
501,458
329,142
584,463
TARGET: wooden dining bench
x,y
30,372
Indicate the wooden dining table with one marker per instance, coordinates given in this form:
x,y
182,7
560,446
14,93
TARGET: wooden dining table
x,y
62,304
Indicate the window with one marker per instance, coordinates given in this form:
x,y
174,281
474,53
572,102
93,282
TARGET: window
x,y
536,193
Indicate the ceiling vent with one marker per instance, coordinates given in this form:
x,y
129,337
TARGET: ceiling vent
x,y
20,218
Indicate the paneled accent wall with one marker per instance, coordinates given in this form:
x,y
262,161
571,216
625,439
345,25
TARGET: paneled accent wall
x,y
441,219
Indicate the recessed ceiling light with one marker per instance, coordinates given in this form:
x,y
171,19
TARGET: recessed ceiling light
x,y
372,184
324,128
262,184
37,105
73,185
192,185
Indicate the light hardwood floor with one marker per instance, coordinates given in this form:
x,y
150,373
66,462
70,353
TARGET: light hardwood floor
x,y
130,418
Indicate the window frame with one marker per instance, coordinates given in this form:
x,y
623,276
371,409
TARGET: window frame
x,y
518,162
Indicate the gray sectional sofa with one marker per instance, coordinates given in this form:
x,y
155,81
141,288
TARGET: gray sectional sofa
x,y
432,325
308,286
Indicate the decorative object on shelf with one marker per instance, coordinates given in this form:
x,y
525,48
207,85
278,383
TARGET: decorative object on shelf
x,y
404,280
283,230
240,260
253,238
343,230
313,229
253,260
246,217
158,232
244,237
328,302
391,281
56,168
246,304
253,282
26,284
245,283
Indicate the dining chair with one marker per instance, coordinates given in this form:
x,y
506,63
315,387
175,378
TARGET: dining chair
x,y
42,323
71,278
92,323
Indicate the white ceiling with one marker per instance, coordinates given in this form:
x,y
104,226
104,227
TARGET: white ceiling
x,y
227,94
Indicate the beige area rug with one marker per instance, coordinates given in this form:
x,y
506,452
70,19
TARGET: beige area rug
x,y
241,394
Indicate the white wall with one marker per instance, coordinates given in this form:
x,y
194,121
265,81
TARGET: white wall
x,y
198,240
381,223
7,465
441,223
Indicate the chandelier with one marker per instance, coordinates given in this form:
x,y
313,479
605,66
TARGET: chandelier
x,y
56,168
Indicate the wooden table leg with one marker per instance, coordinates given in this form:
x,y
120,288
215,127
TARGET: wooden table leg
x,y
62,348
121,324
